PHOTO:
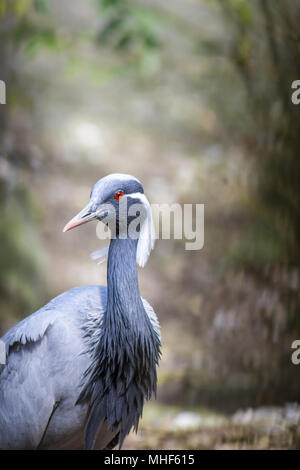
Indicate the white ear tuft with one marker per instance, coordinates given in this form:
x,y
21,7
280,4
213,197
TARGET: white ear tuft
x,y
147,235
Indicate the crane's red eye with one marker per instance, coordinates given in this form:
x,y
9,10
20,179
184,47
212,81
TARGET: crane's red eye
x,y
119,195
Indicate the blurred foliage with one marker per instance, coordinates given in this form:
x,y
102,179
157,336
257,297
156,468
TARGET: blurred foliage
x,y
21,275
29,25
22,282
252,99
264,48
126,27
129,26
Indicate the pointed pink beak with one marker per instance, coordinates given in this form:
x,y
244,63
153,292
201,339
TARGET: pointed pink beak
x,y
83,217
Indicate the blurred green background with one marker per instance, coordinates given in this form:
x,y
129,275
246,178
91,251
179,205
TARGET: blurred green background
x,y
193,97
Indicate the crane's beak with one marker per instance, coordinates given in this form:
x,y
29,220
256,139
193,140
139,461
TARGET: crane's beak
x,y
81,218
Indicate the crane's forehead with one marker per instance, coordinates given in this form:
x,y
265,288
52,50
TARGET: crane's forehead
x,y
108,185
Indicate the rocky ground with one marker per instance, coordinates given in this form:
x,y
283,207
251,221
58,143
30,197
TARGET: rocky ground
x,y
261,428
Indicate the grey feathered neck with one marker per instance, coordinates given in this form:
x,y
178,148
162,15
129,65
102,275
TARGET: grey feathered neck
x,y
123,371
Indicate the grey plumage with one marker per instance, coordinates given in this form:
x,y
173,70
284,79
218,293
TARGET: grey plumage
x,y
79,369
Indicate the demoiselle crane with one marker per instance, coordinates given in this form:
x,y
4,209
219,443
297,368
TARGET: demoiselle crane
x,y
78,370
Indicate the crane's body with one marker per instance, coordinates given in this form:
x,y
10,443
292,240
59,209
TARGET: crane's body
x,y
31,391
79,369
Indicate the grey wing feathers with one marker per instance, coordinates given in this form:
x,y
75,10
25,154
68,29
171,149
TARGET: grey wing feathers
x,y
44,364
31,329
64,306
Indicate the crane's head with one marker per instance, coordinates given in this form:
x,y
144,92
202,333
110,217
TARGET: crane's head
x,y
119,201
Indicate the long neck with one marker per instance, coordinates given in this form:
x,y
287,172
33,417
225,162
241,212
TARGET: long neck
x,y
123,372
124,304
